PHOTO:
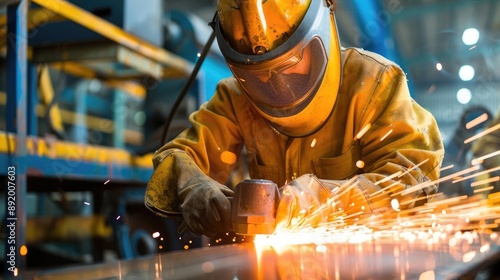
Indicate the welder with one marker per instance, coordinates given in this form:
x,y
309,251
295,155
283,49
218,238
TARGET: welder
x,y
305,109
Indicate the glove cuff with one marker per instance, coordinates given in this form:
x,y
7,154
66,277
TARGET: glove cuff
x,y
161,195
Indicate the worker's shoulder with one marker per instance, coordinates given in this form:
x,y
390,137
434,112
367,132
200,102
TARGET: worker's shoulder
x,y
230,88
364,59
229,91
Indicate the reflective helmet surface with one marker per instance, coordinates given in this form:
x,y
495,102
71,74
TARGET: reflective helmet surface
x,y
256,26
286,56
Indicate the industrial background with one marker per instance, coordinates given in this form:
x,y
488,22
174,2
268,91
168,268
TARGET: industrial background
x,y
86,87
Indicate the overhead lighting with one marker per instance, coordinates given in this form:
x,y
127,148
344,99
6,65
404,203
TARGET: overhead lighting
x,y
464,95
470,36
466,73
439,66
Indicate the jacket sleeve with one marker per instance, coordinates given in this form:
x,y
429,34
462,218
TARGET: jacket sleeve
x,y
402,145
213,143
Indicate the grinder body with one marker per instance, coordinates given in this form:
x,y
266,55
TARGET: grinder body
x,y
254,207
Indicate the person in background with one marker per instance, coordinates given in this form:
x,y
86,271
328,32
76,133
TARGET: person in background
x,y
486,146
459,154
306,110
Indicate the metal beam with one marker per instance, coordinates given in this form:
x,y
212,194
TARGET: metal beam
x,y
116,34
16,112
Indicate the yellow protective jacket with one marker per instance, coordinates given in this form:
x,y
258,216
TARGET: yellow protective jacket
x,y
373,96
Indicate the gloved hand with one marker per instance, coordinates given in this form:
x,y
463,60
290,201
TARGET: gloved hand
x,y
206,207
178,188
310,202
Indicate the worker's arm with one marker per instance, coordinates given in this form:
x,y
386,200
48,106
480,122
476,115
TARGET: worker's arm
x,y
402,145
189,172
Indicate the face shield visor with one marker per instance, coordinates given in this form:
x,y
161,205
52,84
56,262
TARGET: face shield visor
x,y
284,80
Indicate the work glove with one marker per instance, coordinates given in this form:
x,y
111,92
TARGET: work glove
x,y
178,188
310,202
206,207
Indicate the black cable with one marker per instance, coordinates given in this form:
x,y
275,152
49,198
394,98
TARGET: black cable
x,y
186,87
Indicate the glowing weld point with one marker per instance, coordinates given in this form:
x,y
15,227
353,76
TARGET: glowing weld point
x,y
156,234
313,143
106,182
86,203
117,218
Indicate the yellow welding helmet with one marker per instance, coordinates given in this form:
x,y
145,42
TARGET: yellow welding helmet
x,y
286,56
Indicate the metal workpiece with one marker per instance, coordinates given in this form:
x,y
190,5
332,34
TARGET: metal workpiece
x,y
375,259
254,207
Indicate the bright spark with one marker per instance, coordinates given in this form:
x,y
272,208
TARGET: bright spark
x,y
482,133
447,167
387,134
313,143
476,121
485,181
481,159
362,131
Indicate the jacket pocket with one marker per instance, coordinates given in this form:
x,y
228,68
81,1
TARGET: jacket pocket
x,y
258,171
339,167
